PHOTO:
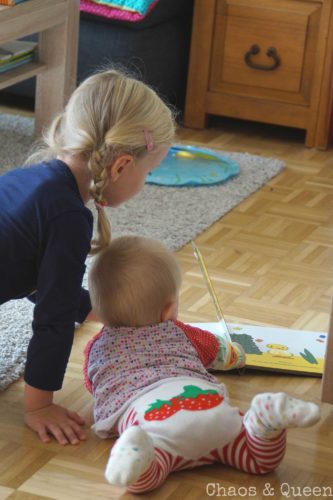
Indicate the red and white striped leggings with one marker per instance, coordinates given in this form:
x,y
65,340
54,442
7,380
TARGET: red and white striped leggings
x,y
246,453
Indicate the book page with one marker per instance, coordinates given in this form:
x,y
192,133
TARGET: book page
x,y
277,348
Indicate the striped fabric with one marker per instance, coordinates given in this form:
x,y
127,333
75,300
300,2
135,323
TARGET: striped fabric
x,y
246,453
127,420
252,455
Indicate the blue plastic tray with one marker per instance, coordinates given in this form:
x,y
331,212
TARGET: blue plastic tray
x,y
192,166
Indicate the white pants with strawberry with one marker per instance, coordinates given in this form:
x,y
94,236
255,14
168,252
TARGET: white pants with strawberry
x,y
188,422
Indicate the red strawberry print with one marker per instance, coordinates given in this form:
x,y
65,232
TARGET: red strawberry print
x,y
160,410
192,399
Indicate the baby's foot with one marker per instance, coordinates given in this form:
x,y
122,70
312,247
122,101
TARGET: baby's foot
x,y
272,412
131,456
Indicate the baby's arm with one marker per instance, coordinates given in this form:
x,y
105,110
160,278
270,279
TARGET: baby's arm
x,y
212,349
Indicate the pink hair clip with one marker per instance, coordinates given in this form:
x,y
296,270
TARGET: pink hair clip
x,y
101,203
148,140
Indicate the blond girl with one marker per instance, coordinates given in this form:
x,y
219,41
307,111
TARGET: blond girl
x,y
113,131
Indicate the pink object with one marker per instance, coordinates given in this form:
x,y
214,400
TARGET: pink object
x,y
101,204
149,140
112,13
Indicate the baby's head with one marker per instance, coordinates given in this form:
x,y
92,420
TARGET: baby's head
x,y
135,281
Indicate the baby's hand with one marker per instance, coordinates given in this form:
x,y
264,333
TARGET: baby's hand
x,y
63,424
239,356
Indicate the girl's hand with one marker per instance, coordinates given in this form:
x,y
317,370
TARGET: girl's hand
x,y
64,425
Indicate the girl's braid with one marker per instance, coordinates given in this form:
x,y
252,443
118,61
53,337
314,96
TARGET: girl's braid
x,y
97,166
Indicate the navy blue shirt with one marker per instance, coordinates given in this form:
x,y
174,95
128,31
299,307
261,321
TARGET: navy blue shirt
x,y
45,236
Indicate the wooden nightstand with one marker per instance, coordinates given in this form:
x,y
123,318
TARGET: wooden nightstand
x,y
57,22
265,60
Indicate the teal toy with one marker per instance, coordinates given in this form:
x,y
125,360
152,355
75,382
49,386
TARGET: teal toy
x,y
193,166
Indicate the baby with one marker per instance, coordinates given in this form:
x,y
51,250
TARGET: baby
x,y
148,374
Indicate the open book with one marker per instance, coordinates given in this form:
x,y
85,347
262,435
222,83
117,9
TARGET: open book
x,y
277,349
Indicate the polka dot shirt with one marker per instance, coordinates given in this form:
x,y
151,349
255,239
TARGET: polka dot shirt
x,y
122,362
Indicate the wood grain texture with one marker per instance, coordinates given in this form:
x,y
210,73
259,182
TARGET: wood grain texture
x,y
270,260
57,23
296,93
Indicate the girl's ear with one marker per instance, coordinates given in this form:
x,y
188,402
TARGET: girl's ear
x,y
170,311
116,168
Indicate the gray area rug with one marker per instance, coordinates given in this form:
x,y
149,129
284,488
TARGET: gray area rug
x,y
171,215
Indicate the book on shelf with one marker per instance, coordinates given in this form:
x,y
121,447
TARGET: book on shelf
x,y
16,53
277,349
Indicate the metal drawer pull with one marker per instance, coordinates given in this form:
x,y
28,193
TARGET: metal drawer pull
x,y
271,52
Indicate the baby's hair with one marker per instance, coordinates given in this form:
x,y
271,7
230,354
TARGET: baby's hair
x,y
109,114
132,280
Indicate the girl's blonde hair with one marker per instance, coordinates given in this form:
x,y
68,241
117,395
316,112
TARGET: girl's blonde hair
x,y
108,114
132,280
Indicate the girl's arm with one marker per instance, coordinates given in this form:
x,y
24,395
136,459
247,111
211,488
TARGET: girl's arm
x,y
83,313
58,301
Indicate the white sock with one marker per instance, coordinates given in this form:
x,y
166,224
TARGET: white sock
x,y
131,456
270,413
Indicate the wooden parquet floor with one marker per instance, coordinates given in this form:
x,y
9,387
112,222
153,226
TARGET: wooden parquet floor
x,y
271,262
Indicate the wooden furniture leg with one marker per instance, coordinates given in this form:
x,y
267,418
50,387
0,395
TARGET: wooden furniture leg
x,y
58,46
327,383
